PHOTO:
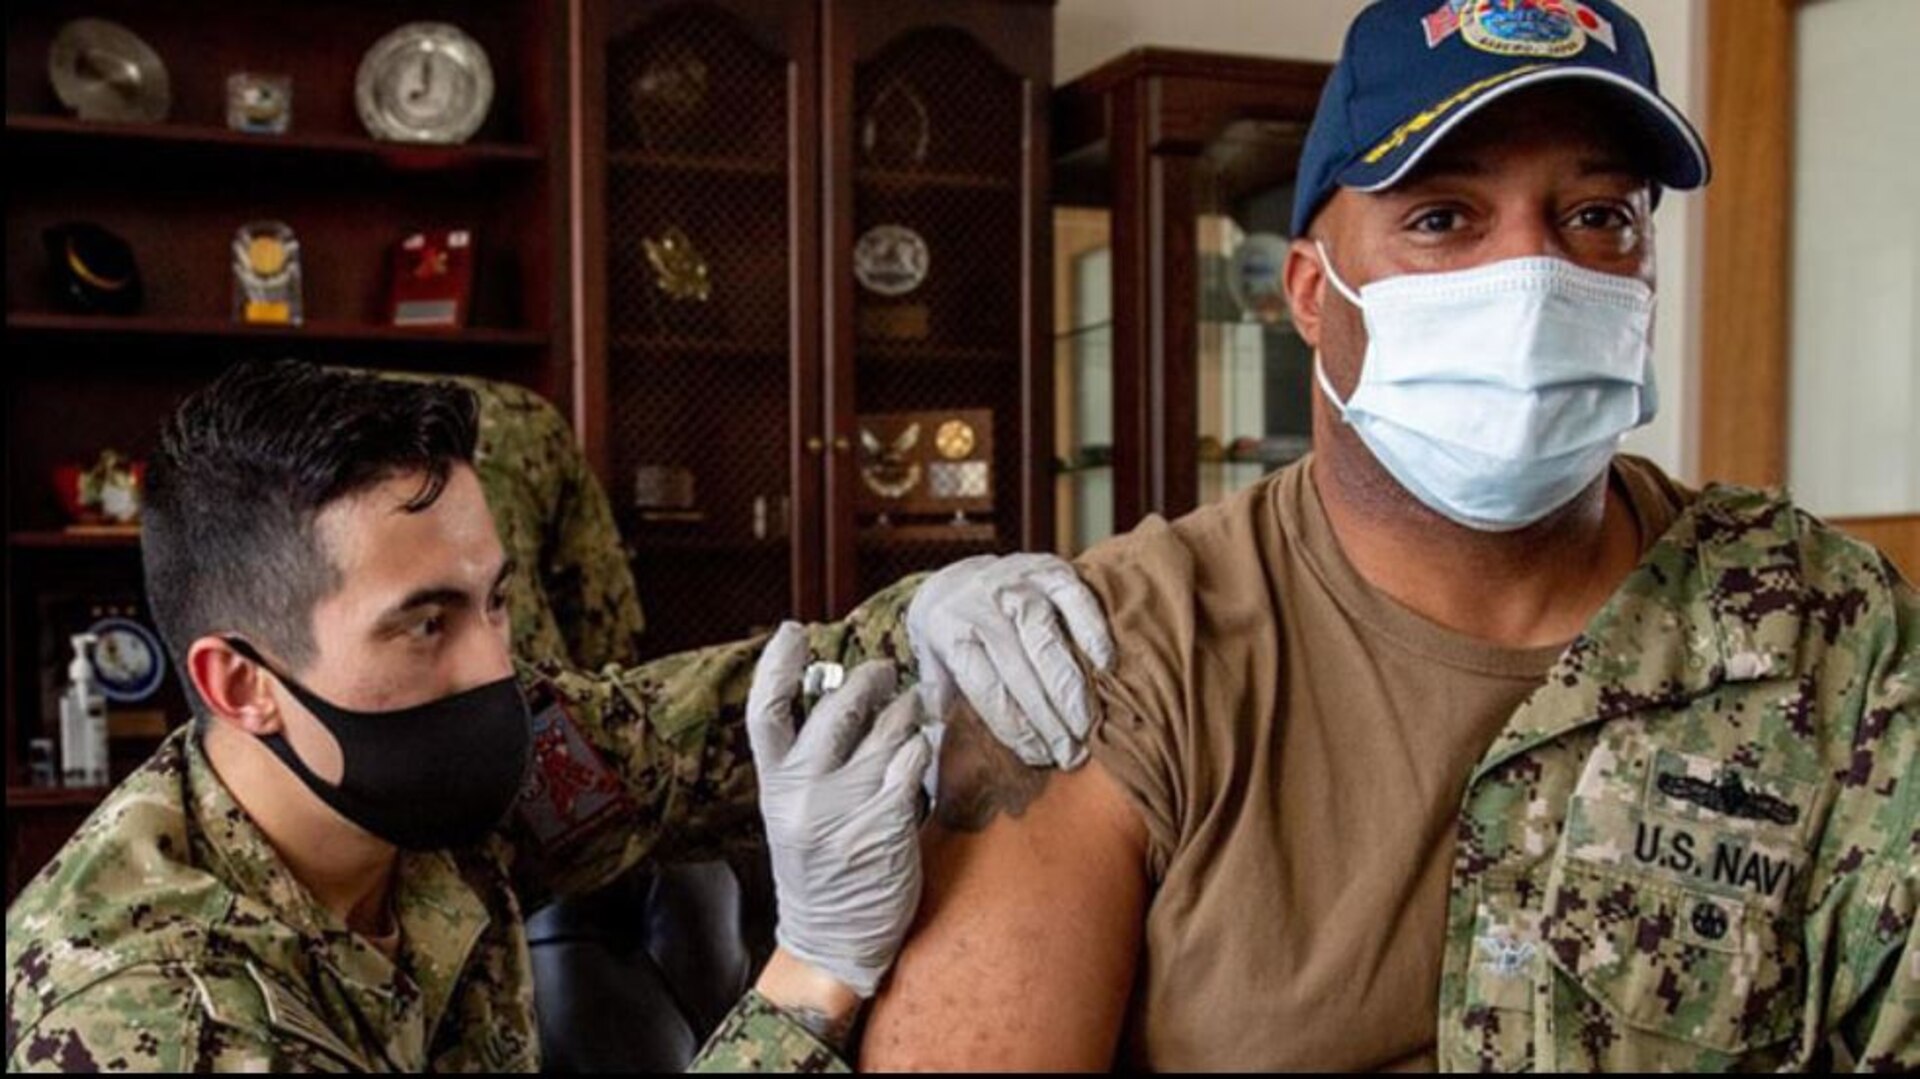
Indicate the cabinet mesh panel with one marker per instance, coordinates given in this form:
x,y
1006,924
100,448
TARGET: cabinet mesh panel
x,y
960,189
697,118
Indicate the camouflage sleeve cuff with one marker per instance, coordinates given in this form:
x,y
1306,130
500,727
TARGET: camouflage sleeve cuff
x,y
758,1037
877,629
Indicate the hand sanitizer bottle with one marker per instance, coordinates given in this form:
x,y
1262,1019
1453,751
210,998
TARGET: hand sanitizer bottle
x,y
83,721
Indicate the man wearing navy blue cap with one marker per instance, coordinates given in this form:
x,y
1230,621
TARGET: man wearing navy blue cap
x,y
1467,742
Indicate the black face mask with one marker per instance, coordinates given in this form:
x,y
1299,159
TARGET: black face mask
x,y
438,775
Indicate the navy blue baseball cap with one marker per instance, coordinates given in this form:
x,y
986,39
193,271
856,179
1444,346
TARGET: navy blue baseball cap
x,y
1413,70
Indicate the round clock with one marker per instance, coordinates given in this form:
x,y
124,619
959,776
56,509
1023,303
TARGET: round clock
x,y
425,82
127,660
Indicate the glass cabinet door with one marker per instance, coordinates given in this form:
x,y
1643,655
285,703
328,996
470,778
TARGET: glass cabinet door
x,y
1178,376
1254,374
1083,376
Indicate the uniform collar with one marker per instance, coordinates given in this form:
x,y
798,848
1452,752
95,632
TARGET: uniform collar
x,y
441,917
240,853
1718,599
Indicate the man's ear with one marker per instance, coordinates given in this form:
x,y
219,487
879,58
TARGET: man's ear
x,y
235,688
1306,284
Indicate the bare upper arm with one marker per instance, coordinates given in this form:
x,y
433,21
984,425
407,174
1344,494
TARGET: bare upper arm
x,y
1029,929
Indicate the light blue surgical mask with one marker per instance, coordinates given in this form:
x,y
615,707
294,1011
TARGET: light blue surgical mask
x,y
1495,395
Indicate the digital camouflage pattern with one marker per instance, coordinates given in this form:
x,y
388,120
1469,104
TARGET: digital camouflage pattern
x,y
758,1037
573,598
1697,846
168,936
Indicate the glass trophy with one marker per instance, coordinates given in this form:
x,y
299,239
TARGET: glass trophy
x,y
266,275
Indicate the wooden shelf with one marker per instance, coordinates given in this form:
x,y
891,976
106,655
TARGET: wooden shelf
x,y
61,131
54,797
923,352
694,346
696,164
147,327
57,540
1284,326
909,536
175,192
1091,328
900,180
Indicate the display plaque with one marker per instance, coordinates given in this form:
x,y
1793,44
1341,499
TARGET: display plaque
x,y
926,463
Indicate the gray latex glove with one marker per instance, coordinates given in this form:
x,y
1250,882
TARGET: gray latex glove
x,y
989,628
841,801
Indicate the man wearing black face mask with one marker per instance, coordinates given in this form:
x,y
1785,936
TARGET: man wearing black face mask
x,y
329,869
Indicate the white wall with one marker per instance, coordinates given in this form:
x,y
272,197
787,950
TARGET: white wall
x,y
1090,32
1855,342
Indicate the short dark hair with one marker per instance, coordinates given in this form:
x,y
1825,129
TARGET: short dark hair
x,y
244,467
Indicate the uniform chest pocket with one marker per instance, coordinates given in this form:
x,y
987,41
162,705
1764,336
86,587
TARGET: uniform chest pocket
x,y
1709,970
1494,1031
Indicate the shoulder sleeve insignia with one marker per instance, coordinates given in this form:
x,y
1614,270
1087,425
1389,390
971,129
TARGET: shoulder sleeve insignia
x,y
571,792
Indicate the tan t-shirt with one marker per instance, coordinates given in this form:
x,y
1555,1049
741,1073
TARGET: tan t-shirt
x,y
1298,744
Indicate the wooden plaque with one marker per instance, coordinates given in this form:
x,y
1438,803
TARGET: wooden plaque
x,y
927,464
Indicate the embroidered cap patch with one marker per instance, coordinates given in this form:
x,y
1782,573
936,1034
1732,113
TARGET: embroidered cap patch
x,y
1550,28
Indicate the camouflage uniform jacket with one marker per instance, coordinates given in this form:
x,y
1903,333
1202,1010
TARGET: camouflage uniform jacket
x,y
1695,847
168,936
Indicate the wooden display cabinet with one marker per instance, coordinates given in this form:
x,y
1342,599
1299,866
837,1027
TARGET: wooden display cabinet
x,y
773,136
1172,393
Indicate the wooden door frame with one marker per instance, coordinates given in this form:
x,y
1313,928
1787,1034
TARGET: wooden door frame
x,y
1745,372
